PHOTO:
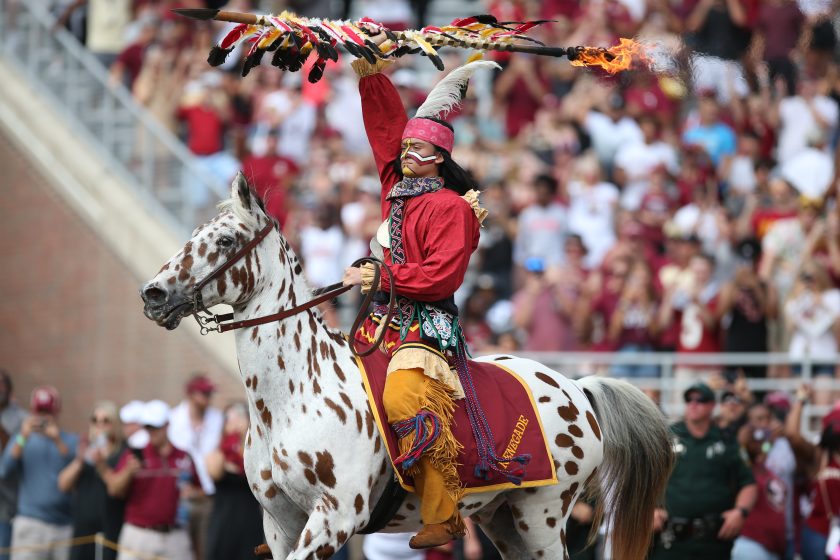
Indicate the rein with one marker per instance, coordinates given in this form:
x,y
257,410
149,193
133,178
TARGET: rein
x,y
224,322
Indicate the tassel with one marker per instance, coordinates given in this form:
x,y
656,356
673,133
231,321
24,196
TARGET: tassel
x,y
218,55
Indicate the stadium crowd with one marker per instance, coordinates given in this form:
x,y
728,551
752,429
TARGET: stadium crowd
x,y
688,205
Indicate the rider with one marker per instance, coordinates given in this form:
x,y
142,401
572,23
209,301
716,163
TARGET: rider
x,y
431,227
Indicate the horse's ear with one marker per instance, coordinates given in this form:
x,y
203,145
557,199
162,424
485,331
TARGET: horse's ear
x,y
240,190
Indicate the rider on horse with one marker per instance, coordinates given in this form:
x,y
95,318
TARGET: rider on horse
x,y
431,227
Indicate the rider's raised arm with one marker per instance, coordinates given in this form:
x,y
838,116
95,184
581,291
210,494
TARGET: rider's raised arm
x,y
384,118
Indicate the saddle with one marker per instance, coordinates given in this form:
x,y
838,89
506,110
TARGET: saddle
x,y
511,413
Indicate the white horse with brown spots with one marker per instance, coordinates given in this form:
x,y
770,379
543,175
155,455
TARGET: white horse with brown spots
x,y
313,455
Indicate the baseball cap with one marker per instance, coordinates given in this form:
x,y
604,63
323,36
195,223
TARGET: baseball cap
x,y
778,402
45,400
200,384
702,389
132,412
155,414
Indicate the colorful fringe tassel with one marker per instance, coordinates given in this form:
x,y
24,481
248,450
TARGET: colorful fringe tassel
x,y
424,436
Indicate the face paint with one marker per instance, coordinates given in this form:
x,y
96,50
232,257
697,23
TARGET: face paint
x,y
421,160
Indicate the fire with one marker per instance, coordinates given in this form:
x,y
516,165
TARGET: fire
x,y
613,60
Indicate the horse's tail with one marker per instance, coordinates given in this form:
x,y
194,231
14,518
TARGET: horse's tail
x,y
638,459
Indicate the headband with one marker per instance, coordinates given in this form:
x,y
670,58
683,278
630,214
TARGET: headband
x,y
431,132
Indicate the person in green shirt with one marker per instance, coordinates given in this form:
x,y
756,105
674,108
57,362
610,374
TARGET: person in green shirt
x,y
711,490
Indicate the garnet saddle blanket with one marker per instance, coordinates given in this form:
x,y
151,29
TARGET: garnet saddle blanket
x,y
510,410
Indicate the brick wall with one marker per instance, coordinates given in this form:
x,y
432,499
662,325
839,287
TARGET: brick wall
x,y
70,312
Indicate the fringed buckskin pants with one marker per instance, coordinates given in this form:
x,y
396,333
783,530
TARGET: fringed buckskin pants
x,y
407,392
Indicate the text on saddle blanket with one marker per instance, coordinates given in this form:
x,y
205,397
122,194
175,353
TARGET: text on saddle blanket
x,y
510,410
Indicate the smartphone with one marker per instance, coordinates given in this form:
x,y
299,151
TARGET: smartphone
x,y
138,454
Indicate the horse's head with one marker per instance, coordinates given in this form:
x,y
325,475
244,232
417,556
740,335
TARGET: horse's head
x,y
171,295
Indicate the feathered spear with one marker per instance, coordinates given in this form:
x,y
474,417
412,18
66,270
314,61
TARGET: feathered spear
x,y
293,39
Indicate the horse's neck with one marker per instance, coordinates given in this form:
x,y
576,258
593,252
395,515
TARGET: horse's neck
x,y
287,356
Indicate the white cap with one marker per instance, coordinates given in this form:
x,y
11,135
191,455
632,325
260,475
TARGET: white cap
x,y
155,414
132,412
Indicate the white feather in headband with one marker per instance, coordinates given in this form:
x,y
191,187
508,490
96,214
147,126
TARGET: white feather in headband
x,y
446,95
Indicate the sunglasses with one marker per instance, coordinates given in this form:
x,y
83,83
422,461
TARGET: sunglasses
x,y
100,420
697,400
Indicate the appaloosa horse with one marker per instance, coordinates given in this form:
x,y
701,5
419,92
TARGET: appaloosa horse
x,y
313,455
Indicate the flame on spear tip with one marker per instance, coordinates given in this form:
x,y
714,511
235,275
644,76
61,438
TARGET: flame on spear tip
x,y
613,60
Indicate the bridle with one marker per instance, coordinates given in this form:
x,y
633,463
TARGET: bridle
x,y
209,322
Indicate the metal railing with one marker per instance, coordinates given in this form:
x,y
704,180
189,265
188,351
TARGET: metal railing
x,y
135,146
678,371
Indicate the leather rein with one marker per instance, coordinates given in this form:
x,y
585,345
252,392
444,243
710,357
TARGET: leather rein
x,y
222,323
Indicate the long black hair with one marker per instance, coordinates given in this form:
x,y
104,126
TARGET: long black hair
x,y
455,177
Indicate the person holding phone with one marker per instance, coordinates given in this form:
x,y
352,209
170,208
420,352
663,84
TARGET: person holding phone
x,y
37,454
84,478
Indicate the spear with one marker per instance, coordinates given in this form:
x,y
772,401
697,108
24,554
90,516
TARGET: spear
x,y
293,38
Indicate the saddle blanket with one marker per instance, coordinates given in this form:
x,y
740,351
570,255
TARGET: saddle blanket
x,y
511,413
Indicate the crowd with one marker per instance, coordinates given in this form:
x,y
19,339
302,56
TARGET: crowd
x,y
688,204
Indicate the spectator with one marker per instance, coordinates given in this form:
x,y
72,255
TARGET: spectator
x,y
694,306
711,491
544,310
708,132
633,327
36,455
521,89
599,302
732,412
542,226
802,116
811,314
153,481
591,214
610,128
779,27
96,455
11,418
195,427
823,467
747,305
235,527
719,34
271,176
636,161
763,533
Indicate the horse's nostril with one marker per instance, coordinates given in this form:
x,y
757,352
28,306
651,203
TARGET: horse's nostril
x,y
154,295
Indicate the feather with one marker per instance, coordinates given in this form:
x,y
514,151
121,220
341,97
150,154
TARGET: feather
x,y
446,95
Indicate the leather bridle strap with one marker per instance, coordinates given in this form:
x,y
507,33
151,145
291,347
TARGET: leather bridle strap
x,y
244,323
222,268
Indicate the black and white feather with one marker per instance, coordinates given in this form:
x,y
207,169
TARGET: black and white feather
x,y
448,93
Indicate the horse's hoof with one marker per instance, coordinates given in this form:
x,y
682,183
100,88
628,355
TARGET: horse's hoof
x,y
262,551
431,536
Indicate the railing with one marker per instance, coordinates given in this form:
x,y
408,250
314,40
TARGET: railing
x,y
134,145
670,386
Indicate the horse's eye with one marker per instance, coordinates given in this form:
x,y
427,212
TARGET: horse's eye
x,y
225,241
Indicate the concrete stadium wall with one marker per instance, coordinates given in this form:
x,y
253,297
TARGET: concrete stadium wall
x,y
70,313
75,245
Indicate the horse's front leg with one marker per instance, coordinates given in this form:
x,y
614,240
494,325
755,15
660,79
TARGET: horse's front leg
x,y
282,523
328,528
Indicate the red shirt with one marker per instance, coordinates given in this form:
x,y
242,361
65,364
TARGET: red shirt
x,y
271,176
766,522
829,479
695,336
155,489
204,129
440,230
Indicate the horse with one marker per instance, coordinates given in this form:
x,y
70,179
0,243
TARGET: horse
x,y
314,458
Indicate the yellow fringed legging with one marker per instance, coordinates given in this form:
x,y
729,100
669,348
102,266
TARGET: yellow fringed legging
x,y
407,391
